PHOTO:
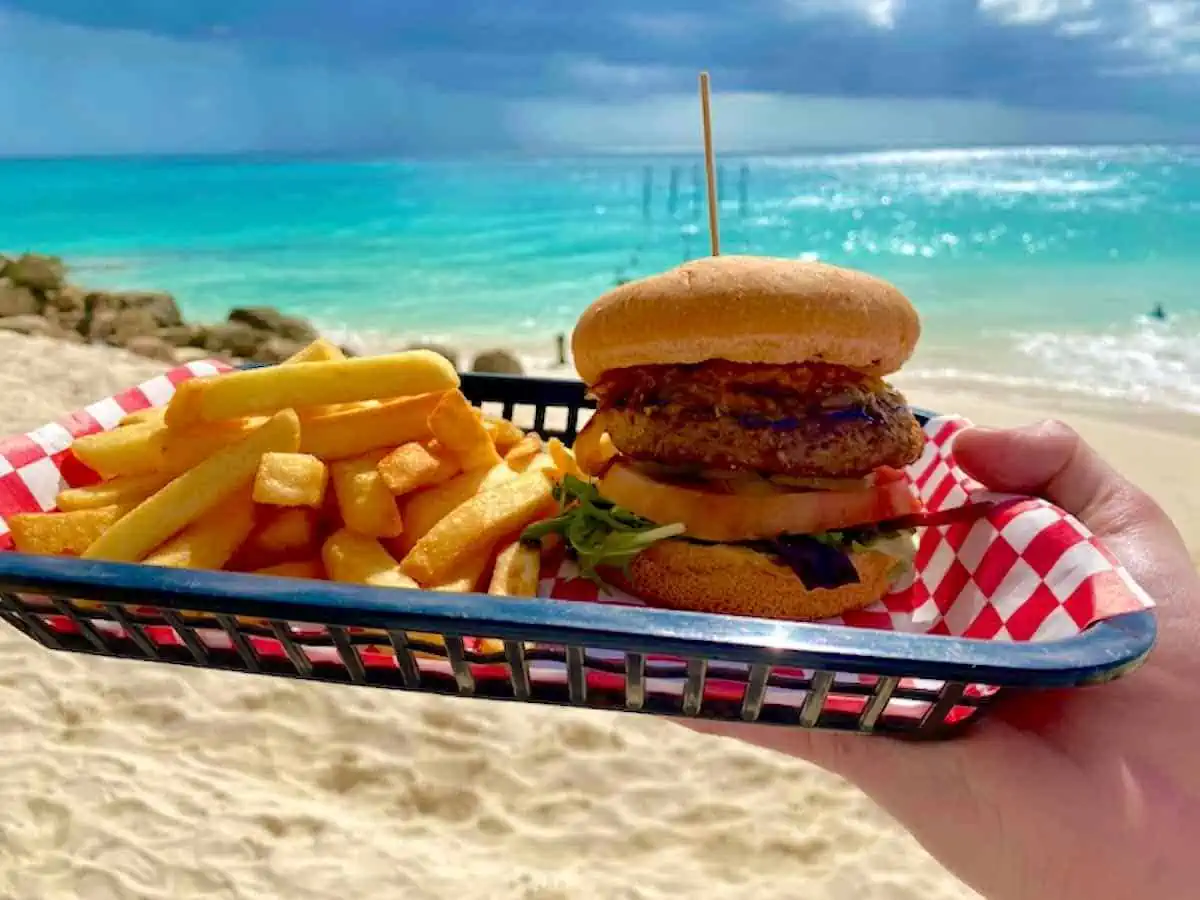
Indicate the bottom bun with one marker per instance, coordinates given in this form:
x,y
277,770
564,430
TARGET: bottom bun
x,y
733,579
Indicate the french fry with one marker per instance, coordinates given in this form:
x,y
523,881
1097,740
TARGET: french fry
x,y
564,459
152,415
305,568
415,465
195,492
307,413
354,432
290,479
62,533
319,350
124,489
210,541
131,450
523,452
460,431
291,531
426,508
187,448
465,579
268,390
358,559
476,525
366,504
517,570
504,434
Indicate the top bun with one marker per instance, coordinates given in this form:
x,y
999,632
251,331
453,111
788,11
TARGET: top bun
x,y
748,309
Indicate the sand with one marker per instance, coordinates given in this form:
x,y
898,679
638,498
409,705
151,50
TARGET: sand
x,y
133,780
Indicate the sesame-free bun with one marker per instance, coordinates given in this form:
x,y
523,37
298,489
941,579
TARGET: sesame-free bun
x,y
739,580
748,309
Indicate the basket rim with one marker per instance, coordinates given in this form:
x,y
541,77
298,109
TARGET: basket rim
x,y
1102,652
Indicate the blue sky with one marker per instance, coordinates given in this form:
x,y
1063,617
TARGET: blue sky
x,y
458,77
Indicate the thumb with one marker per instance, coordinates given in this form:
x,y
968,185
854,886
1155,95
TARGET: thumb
x,y
1050,460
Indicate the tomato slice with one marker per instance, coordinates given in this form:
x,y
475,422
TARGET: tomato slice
x,y
710,515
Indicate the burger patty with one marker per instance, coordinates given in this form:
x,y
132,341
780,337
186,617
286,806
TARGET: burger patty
x,y
802,421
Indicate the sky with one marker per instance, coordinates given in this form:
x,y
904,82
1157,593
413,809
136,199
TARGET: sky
x,y
544,77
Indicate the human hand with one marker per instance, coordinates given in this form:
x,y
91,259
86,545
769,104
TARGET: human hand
x,y
1085,793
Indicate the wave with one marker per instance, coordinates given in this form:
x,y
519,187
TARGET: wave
x,y
1151,364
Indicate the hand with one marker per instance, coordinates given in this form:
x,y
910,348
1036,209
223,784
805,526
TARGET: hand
x,y
1086,793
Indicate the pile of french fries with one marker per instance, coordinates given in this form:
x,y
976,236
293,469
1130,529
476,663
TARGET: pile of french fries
x,y
373,471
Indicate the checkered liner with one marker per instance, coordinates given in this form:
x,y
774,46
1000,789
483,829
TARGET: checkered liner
x,y
1022,571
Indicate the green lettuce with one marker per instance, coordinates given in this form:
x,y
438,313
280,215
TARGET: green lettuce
x,y
598,532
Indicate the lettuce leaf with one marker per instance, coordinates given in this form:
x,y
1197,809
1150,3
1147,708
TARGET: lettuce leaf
x,y
598,532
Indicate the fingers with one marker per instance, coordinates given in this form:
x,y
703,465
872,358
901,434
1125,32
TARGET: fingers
x,y
1048,459
1051,460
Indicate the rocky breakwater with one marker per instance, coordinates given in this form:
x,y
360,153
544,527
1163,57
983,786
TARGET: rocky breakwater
x,y
37,299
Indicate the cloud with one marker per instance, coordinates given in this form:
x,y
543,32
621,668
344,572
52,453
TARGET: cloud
x,y
69,89
458,76
749,123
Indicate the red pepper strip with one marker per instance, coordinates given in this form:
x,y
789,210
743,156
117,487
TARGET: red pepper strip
x,y
927,519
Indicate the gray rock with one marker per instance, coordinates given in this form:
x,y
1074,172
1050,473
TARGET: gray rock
x,y
152,347
234,339
183,335
267,318
31,325
160,307
276,349
120,326
500,362
36,272
67,308
16,300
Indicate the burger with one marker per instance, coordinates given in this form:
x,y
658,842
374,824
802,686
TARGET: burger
x,y
746,455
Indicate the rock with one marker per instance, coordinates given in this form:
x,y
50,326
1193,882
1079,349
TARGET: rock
x,y
448,353
234,339
36,272
16,300
161,307
120,326
28,324
67,308
276,349
498,361
151,347
183,335
191,354
267,318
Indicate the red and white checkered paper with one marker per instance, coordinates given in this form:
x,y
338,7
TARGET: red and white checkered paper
x,y
1023,570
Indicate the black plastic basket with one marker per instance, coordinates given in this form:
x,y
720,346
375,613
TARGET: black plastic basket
x,y
603,657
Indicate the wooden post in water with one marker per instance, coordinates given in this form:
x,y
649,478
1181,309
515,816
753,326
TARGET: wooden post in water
x,y
673,192
744,191
647,191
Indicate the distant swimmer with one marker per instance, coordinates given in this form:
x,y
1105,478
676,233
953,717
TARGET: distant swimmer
x,y
1158,312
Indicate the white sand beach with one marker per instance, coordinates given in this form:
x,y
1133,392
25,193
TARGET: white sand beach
x,y
131,780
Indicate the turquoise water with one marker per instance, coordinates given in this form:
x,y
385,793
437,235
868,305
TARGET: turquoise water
x,y
1033,264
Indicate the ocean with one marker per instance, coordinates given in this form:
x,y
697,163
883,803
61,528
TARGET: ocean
x,y
1033,268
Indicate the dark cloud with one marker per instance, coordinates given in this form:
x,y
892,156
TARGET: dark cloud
x,y
1064,54
444,76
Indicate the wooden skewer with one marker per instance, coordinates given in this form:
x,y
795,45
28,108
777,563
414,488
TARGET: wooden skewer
x,y
714,231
